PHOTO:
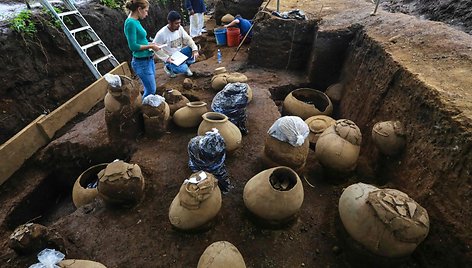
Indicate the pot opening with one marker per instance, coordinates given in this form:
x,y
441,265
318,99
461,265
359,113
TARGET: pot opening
x,y
215,117
283,179
196,104
89,179
312,96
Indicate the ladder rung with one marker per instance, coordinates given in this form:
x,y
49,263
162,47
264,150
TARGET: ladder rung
x,y
68,13
91,45
97,61
80,29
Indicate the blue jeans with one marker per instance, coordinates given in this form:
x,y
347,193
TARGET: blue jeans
x,y
182,68
146,71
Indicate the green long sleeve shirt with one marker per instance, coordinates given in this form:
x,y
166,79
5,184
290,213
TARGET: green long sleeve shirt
x,y
136,36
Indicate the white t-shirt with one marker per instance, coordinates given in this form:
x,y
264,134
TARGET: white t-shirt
x,y
175,41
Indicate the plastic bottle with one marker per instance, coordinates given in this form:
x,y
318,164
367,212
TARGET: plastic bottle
x,y
218,55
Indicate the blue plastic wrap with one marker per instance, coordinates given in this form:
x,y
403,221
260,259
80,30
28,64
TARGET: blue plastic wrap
x,y
232,101
208,153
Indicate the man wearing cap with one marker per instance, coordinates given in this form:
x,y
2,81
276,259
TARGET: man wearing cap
x,y
195,8
244,25
175,38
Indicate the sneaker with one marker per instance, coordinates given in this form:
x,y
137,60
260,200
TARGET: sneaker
x,y
169,72
204,30
188,73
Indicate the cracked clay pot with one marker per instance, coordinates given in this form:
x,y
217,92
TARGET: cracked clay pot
x,y
73,263
175,100
389,137
317,124
307,102
156,119
121,184
190,115
274,195
197,202
338,146
85,187
386,222
221,254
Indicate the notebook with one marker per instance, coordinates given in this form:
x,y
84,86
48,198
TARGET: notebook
x,y
178,58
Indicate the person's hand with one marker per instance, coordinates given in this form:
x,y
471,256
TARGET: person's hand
x,y
195,54
155,47
169,60
226,25
191,12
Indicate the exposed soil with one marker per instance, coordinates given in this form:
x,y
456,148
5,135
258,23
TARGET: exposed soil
x,y
430,170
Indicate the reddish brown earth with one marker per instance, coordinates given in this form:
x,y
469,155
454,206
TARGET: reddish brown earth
x,y
430,170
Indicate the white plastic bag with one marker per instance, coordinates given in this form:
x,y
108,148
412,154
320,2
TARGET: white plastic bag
x,y
113,80
153,100
291,129
48,258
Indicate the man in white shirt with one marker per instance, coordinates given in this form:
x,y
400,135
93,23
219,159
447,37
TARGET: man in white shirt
x,y
176,39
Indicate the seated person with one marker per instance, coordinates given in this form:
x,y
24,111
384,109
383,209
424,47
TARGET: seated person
x,y
177,39
244,25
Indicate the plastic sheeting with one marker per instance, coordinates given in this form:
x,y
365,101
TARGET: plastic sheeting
x,y
232,101
48,258
291,129
208,153
153,100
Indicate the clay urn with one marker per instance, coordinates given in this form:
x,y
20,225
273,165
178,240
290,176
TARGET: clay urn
x,y
335,92
156,114
197,202
274,195
307,102
286,143
386,222
190,115
317,124
175,100
126,94
236,77
121,184
73,263
219,81
85,187
31,237
338,146
230,132
221,254
389,137
226,19
187,83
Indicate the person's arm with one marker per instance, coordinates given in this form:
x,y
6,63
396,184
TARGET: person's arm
x,y
188,5
187,40
130,30
233,23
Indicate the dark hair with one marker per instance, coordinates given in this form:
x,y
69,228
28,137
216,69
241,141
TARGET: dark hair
x,y
134,4
173,16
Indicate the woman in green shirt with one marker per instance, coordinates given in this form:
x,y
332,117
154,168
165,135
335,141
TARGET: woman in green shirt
x,y
142,62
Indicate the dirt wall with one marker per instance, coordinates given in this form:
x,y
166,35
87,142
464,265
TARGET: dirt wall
x,y
435,167
246,8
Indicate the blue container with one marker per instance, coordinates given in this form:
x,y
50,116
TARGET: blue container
x,y
220,35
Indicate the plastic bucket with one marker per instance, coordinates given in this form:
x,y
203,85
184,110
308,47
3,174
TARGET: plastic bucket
x,y
220,35
233,37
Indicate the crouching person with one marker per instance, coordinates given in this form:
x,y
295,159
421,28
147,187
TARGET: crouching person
x,y
175,39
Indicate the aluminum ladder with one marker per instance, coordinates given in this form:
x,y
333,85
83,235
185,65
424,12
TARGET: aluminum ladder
x,y
71,10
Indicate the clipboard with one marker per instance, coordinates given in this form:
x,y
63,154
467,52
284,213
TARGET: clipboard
x,y
178,58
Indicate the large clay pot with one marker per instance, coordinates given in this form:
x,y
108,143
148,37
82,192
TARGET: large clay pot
x,y
31,237
335,92
219,81
236,77
338,146
81,193
307,102
279,153
386,222
221,254
73,263
230,132
175,99
156,119
317,124
197,203
389,137
274,194
220,70
121,184
191,114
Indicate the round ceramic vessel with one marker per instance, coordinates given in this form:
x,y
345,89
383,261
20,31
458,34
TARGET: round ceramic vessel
x,y
230,132
221,254
190,115
81,195
307,102
389,137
